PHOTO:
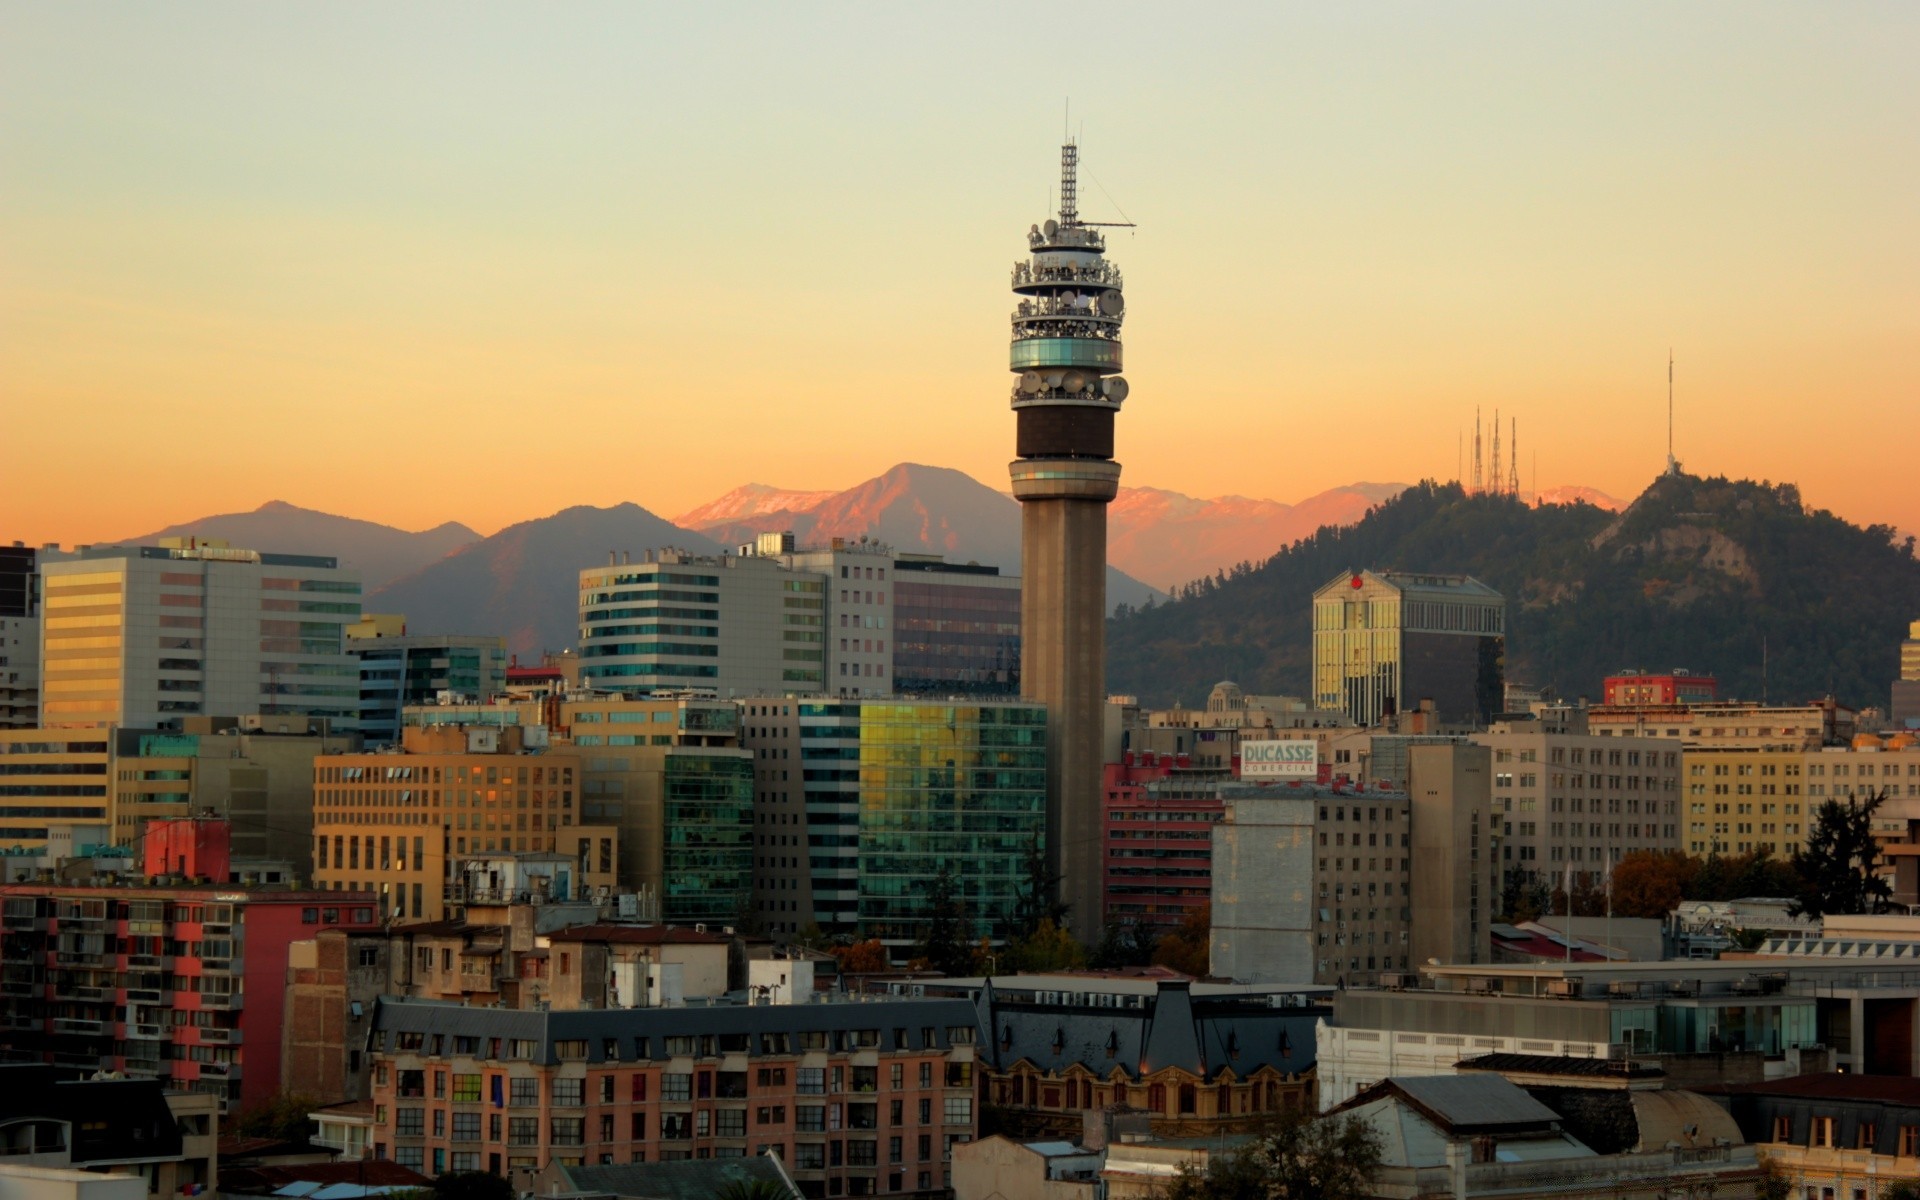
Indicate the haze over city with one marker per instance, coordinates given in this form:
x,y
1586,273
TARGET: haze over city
x,y
628,253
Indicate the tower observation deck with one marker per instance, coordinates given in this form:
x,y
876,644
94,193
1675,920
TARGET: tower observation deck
x,y
1066,357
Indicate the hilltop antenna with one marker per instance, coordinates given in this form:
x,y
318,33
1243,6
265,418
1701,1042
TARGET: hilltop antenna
x,y
1476,449
1459,455
1513,460
1493,476
1673,464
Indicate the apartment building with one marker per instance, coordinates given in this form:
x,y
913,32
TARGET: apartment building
x,y
1157,836
857,1099
860,804
1580,801
401,824
177,982
143,636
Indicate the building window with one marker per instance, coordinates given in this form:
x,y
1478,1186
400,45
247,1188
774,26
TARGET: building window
x,y
1821,1132
1910,1141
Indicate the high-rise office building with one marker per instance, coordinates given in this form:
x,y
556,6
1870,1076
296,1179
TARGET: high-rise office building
x,y
860,804
19,638
1066,354
912,624
398,668
1383,641
148,635
726,624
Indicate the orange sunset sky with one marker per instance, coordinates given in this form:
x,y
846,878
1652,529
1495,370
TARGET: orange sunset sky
x,y
424,262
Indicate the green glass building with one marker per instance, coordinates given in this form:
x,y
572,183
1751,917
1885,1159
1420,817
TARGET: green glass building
x,y
707,837
960,787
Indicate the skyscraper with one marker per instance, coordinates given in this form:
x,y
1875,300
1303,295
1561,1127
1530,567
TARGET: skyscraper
x,y
1066,352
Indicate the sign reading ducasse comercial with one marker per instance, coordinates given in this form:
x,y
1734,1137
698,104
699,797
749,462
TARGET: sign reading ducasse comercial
x,y
1279,760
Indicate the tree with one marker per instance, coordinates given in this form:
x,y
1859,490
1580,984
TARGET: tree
x,y
1038,901
1123,944
1048,948
471,1185
947,947
1188,947
1838,862
1326,1158
282,1115
1646,884
862,958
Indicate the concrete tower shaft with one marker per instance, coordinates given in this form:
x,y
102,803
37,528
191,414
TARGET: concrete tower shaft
x,y
1066,354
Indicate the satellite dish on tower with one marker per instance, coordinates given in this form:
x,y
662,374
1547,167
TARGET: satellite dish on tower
x,y
1075,381
1112,304
1115,388
1051,227
1054,379
1030,382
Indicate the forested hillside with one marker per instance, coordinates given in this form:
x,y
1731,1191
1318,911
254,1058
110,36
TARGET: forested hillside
x,y
1696,573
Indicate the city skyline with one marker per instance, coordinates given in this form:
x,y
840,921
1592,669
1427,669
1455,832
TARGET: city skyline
x,y
300,242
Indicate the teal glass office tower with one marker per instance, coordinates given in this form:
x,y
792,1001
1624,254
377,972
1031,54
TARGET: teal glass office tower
x,y
959,787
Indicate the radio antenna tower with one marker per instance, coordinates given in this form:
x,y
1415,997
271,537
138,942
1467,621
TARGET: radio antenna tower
x,y
1513,460
1494,479
1476,449
1673,464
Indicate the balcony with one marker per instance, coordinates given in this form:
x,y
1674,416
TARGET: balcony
x,y
227,1001
21,987
143,996
78,1026
146,1033
91,995
215,1070
217,1035
146,962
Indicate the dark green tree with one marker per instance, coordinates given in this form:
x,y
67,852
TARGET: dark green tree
x,y
471,1185
1303,1155
1838,865
1038,901
948,947
1122,944
282,1115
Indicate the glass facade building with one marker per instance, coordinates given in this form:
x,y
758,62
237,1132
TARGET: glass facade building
x,y
1383,641
707,831
952,637
959,787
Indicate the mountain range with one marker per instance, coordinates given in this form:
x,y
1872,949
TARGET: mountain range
x,y
378,552
1727,577
519,581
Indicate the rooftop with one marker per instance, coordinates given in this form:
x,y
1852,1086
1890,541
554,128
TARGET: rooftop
x,y
639,935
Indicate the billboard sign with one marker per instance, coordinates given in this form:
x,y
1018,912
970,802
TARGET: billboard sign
x,y
1280,760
